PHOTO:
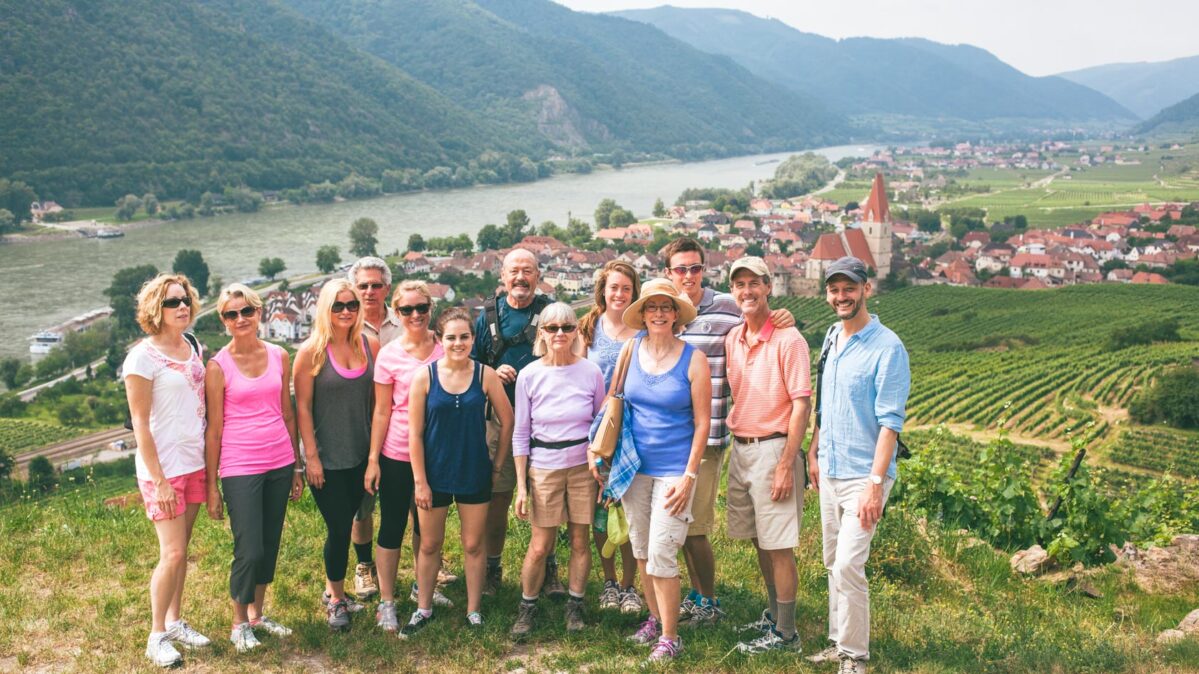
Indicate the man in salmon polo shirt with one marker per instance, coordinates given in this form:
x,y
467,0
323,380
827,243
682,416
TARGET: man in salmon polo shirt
x,y
768,377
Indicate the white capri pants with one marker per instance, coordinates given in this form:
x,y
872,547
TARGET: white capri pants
x,y
654,533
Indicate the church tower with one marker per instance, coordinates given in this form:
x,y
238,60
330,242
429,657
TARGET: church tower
x,y
876,224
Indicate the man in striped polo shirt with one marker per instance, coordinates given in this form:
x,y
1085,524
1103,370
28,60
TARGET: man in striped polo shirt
x,y
718,314
768,376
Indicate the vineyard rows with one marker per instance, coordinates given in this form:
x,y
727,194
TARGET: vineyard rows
x,y
18,435
1158,449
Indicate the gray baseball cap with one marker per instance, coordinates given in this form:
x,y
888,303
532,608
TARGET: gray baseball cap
x,y
849,267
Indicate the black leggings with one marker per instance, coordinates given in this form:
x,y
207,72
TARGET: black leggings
x,y
257,505
338,501
395,502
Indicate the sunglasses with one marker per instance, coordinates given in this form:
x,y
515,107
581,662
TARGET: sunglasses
x,y
245,312
565,329
371,286
352,306
683,271
407,309
174,302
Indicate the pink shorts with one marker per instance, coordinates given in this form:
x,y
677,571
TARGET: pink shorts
x,y
190,488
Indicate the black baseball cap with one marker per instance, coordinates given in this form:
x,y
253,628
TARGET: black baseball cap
x,y
849,267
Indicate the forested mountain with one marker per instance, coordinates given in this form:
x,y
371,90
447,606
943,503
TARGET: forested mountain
x,y
579,79
102,99
1182,117
1144,88
860,76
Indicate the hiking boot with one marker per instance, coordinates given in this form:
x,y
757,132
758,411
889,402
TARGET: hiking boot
x,y
366,580
706,612
630,602
351,605
445,577
474,619
491,583
525,615
183,634
416,623
830,654
439,599
851,666
552,587
271,627
609,599
763,624
648,633
161,652
385,617
665,650
243,638
574,615
771,641
338,615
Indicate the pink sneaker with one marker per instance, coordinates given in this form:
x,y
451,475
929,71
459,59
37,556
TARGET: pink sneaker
x,y
665,650
648,632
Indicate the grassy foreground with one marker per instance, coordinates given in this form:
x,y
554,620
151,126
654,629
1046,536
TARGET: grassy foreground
x,y
74,575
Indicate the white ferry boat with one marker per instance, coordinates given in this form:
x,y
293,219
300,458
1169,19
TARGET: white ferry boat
x,y
108,233
44,341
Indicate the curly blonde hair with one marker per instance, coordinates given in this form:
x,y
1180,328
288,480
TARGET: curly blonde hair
x,y
153,292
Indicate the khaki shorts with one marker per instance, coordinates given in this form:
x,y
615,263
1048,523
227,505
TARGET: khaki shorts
x,y
506,480
751,513
707,485
561,495
654,533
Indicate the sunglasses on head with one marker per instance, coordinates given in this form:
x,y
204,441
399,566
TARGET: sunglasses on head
x,y
693,269
371,286
566,328
352,306
174,302
407,309
245,312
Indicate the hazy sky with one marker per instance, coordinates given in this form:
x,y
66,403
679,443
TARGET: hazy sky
x,y
1040,37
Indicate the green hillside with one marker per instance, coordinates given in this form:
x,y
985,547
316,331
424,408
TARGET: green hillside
x,y
1182,117
867,76
1034,362
581,80
175,97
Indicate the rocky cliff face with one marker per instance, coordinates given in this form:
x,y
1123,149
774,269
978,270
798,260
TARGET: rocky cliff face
x,y
561,123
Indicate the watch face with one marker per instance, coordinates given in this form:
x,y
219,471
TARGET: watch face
x,y
876,479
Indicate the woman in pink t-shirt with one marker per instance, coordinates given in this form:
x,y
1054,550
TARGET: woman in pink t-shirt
x,y
252,445
389,468
164,382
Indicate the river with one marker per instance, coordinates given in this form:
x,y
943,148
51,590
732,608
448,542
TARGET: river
x,y
45,283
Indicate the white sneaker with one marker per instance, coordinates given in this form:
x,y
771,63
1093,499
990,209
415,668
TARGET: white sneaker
x,y
830,654
851,666
271,627
161,652
184,635
439,599
243,638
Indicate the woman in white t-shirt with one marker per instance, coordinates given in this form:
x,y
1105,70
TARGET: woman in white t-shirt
x,y
164,383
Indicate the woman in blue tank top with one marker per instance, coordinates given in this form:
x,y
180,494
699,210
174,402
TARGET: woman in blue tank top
x,y
450,463
668,391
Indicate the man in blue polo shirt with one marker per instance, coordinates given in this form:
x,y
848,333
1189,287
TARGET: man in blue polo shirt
x,y
860,410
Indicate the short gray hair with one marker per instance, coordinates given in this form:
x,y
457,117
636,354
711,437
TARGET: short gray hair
x,y
558,313
369,262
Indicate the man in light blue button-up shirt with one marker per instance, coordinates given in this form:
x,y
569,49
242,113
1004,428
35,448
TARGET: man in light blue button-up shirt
x,y
859,414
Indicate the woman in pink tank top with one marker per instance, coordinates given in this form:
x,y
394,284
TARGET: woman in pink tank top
x,y
251,444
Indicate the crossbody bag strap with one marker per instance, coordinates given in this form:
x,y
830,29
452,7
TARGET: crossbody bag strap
x,y
622,368
824,349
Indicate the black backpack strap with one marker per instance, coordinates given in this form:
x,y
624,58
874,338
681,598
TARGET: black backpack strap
x,y
491,313
824,349
540,302
195,344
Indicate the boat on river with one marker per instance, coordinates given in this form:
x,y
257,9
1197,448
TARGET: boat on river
x,y
45,340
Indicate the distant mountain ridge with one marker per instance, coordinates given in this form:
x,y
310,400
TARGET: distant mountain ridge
x,y
860,76
587,79
1182,117
1145,88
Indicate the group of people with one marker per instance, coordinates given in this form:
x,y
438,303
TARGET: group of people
x,y
496,413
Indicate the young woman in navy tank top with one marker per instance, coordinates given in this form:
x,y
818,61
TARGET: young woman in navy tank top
x,y
450,461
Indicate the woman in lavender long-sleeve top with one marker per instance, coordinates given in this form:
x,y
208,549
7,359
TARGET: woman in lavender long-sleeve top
x,y
556,399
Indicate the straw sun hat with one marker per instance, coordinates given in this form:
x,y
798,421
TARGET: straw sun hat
x,y
659,287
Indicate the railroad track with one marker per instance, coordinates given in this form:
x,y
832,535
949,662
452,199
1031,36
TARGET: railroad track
x,y
61,452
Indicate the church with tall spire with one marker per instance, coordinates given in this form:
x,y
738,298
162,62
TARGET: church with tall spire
x,y
868,240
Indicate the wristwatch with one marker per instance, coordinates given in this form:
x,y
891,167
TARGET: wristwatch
x,y
876,479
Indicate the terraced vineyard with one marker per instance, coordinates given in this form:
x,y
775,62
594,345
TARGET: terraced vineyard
x,y
1158,449
1033,362
18,435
